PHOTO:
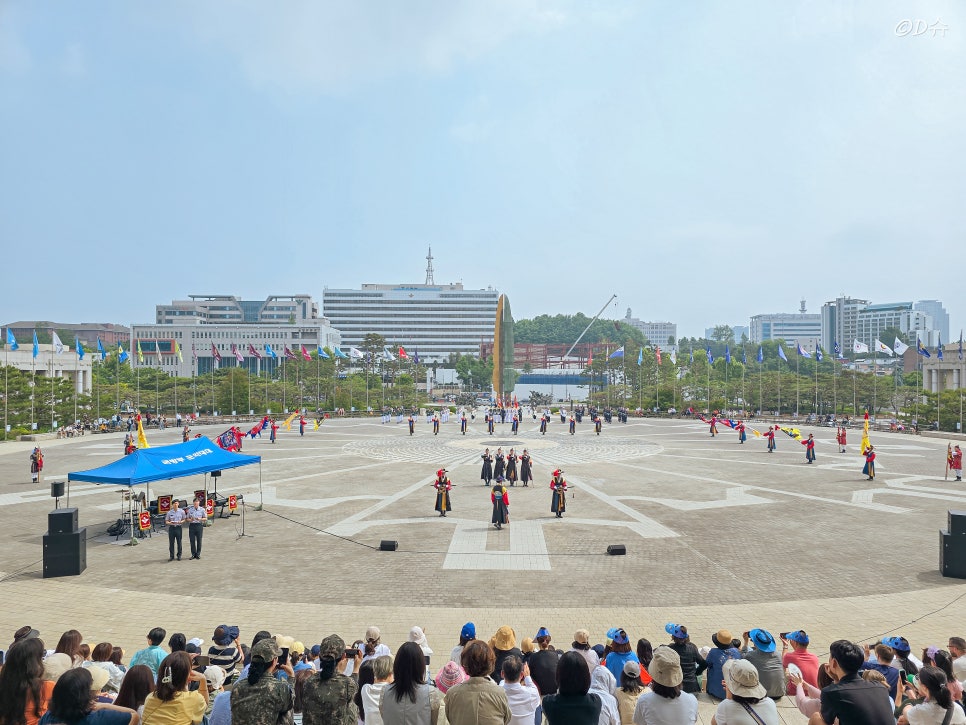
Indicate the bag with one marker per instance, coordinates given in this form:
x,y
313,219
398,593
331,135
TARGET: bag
x,y
117,528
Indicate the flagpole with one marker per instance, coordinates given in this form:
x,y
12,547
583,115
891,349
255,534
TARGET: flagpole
x,y
761,365
744,358
798,380
318,379
875,381
284,407
248,374
52,387
76,380
157,381
137,398
816,380
6,392
212,385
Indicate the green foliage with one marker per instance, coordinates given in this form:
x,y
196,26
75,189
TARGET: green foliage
x,y
565,329
473,373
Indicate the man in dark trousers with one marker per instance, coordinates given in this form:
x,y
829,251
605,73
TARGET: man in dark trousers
x,y
851,699
543,663
174,520
197,516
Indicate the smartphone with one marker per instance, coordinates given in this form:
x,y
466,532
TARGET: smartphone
x,y
350,653
283,658
427,660
202,661
902,677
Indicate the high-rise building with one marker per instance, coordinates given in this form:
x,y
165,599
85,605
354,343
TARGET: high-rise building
x,y
847,319
801,328
840,319
873,319
659,334
432,319
940,318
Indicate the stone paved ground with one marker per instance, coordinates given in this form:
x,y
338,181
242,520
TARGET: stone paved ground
x,y
717,535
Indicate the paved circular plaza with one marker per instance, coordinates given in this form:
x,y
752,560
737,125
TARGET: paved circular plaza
x,y
706,522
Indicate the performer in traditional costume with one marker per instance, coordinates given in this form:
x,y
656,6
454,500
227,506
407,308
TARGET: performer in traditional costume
x,y
463,422
487,473
573,424
516,423
501,503
274,429
742,436
36,464
526,468
770,435
412,424
714,426
809,444
558,504
443,486
869,468
841,439
301,425
597,424
435,424
489,423
511,467
499,469
185,432
955,459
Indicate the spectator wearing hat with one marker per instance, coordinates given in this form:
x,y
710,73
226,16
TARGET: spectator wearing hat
x,y
620,652
747,702
72,703
259,698
722,651
418,636
691,662
99,683
558,501
101,657
153,654
479,700
528,647
957,648
602,684
503,644
806,662
543,663
573,703
451,674
225,650
172,703
630,689
522,694
500,498
410,698
24,689
328,696
55,665
581,645
215,680
467,634
850,699
373,646
763,656
666,703
904,659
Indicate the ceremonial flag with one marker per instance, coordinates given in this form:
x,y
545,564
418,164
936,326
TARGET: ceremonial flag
x,y
727,354
214,352
781,352
194,353
58,345
590,358
402,353
836,349
253,352
270,351
858,347
287,425
619,352
338,353
305,354
140,354
640,357
744,356
177,351
920,349
900,347
323,354
416,358
882,347
100,349
289,354
238,355
761,355
865,435
803,352
356,353
707,352
674,357
387,353
121,355
36,346
12,341
657,354
79,347
818,353
939,348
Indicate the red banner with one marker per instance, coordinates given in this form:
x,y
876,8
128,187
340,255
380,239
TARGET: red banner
x,y
232,502
164,504
144,520
210,508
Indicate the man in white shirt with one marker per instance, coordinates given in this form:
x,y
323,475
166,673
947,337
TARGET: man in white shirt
x,y
521,694
957,648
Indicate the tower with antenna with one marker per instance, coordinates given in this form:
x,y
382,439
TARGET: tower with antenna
x,y
802,309
429,267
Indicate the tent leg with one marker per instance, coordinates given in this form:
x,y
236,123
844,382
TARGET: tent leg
x,y
261,495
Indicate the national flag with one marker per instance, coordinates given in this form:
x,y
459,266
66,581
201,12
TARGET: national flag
x,y
356,353
142,439
640,357
818,353
416,358
79,347
289,354
253,352
338,353
214,352
58,345
727,354
305,354
836,349
710,357
939,348
920,349
177,351
674,357
761,355
900,347
402,353
803,352
140,354
657,354
36,345
270,351
781,352
121,355
100,349
882,347
323,354
12,341
859,347
238,356
619,352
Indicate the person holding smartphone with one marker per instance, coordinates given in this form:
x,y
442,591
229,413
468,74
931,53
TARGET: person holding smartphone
x,y
328,698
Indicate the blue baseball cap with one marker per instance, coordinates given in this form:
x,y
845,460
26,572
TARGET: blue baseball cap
x,y
899,644
797,636
611,632
542,632
468,631
762,639
678,631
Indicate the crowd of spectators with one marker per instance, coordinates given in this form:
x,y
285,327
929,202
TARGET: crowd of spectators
x,y
277,680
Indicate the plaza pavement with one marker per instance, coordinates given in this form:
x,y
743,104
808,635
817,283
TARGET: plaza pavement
x,y
717,535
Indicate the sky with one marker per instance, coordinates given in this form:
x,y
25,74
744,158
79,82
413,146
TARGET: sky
x,y
704,161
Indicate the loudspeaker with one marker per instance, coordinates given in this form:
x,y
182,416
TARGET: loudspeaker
x,y
386,545
62,521
65,554
215,474
952,555
617,550
957,522
57,489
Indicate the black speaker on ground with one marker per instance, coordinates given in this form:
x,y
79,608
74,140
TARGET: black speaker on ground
x,y
62,521
952,555
386,545
57,489
957,523
65,554
617,550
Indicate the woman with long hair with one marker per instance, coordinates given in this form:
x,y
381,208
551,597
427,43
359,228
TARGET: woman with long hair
x,y
72,703
101,657
171,703
572,703
24,693
117,658
137,684
944,660
70,645
366,678
937,704
410,699
327,698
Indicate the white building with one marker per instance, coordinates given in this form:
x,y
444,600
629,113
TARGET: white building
x,y
432,319
50,363
940,318
801,328
840,320
657,333
873,319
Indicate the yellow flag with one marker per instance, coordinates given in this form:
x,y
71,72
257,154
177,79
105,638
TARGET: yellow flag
x,y
177,351
866,443
287,425
140,354
316,427
142,441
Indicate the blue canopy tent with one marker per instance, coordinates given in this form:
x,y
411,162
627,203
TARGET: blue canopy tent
x,y
145,465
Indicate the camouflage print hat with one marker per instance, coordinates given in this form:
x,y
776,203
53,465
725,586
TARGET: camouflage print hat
x,y
266,650
333,647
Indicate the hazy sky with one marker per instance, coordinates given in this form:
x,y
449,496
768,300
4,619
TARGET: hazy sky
x,y
705,161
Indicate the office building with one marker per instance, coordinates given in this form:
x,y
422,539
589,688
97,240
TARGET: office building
x,y
840,320
913,324
801,328
87,332
940,318
659,334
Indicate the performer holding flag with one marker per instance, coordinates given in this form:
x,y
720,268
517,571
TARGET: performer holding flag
x,y
809,444
770,435
869,468
740,427
443,486
558,503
